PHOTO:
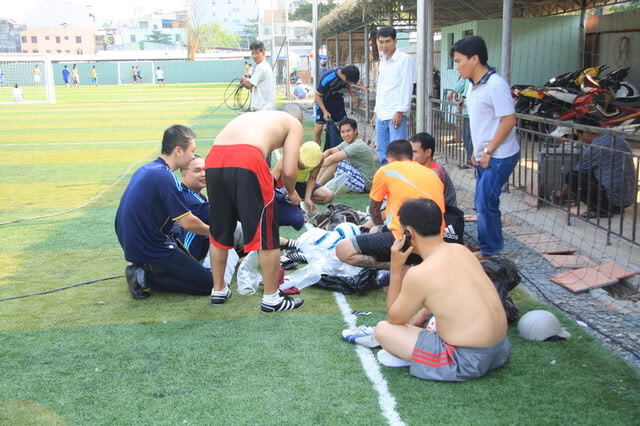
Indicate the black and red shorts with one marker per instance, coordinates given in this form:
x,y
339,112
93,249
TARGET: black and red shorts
x,y
240,188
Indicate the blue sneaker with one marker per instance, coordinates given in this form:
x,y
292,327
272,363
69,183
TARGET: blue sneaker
x,y
362,335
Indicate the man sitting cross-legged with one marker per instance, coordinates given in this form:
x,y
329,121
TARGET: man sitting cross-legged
x,y
470,332
352,157
240,187
396,182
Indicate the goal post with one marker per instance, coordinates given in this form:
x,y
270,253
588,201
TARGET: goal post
x,y
33,75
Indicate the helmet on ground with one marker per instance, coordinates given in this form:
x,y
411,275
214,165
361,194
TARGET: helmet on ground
x,y
540,325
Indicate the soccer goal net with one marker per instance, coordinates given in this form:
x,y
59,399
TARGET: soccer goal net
x,y
26,79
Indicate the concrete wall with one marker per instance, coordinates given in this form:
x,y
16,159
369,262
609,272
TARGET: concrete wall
x,y
617,41
174,71
541,47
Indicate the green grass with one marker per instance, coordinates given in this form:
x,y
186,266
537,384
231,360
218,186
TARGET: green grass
x,y
92,355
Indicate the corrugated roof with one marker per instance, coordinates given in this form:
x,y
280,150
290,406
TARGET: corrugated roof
x,y
353,14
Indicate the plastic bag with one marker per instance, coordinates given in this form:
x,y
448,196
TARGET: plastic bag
x,y
249,276
230,269
364,280
321,260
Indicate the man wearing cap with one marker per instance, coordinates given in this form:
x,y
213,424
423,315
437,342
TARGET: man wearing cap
x,y
309,165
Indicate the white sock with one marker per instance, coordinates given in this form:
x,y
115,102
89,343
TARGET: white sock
x,y
272,299
223,292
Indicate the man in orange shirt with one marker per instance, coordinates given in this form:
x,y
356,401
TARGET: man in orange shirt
x,y
398,181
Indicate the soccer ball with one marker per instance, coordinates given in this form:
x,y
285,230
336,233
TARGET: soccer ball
x,y
347,230
328,241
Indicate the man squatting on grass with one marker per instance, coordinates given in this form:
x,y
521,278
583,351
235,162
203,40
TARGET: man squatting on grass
x,y
151,203
240,187
470,333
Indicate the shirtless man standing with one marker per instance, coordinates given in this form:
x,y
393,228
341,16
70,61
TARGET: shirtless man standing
x,y
240,188
470,336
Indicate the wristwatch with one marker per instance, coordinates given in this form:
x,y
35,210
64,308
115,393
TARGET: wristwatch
x,y
486,151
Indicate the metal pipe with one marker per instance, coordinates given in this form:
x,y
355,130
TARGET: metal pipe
x,y
507,12
337,50
366,72
314,26
581,34
429,62
421,99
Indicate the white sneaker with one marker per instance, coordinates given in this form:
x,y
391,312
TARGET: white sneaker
x,y
362,335
388,360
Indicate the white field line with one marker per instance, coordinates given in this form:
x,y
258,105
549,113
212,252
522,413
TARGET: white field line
x,y
371,368
89,143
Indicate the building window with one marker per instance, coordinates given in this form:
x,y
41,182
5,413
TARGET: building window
x,y
79,51
48,51
78,39
66,37
24,39
143,24
155,27
46,37
58,51
67,51
267,31
467,33
133,38
35,51
25,51
177,37
34,39
57,39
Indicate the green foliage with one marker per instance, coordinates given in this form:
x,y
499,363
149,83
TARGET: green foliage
x,y
158,36
304,11
210,36
249,33
632,5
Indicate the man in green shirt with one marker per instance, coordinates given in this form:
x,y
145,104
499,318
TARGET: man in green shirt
x,y
352,157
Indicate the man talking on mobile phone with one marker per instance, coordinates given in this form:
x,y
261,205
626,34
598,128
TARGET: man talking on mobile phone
x,y
401,179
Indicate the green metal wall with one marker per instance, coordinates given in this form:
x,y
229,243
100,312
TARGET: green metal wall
x,y
218,71
541,47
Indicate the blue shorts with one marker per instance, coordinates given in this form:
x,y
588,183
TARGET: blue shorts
x,y
335,106
94,80
66,80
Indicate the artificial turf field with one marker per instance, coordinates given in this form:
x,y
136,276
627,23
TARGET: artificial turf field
x,y
92,355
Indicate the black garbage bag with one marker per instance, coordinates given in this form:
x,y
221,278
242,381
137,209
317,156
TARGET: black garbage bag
x,y
364,281
505,277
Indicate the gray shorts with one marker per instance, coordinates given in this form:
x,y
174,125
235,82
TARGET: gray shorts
x,y
433,359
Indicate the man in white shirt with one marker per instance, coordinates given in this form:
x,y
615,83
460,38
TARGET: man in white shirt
x,y
495,148
393,92
261,83
159,76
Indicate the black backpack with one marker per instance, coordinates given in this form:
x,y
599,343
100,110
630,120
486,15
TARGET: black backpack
x,y
505,277
365,280
335,215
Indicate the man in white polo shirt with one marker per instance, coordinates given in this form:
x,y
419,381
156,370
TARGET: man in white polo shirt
x,y
495,147
393,92
261,83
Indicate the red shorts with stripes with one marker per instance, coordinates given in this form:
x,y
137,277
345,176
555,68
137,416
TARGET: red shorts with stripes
x,y
433,359
240,188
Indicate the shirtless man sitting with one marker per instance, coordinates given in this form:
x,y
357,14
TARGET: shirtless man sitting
x,y
450,284
240,188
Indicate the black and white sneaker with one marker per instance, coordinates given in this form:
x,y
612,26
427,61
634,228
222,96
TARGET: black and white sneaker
x,y
297,256
135,282
286,304
219,299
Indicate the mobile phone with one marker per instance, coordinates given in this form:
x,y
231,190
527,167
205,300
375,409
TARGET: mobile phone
x,y
407,240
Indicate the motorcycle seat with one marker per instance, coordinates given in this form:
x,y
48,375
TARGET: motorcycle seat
x,y
630,102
